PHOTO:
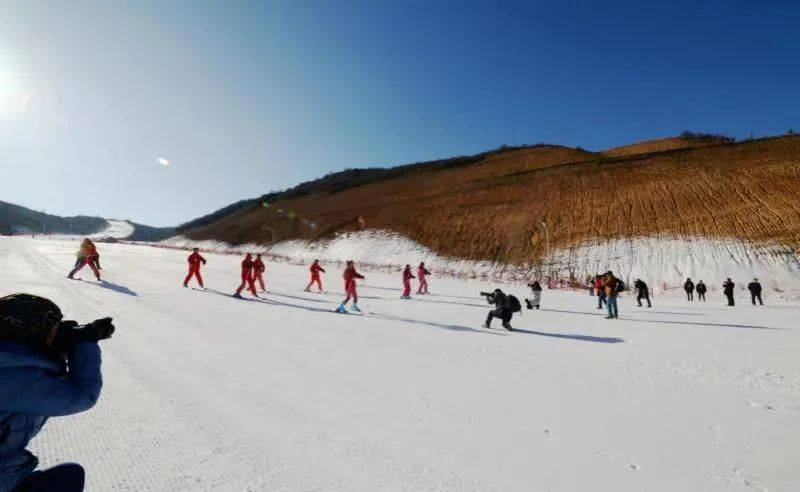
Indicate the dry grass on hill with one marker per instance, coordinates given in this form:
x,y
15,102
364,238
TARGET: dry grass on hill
x,y
493,209
659,145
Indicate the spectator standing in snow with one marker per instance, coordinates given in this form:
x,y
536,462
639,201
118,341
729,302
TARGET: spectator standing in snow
x,y
701,291
258,272
350,276
688,286
247,277
407,276
755,291
422,275
590,284
612,287
727,289
601,291
50,368
315,277
642,292
536,300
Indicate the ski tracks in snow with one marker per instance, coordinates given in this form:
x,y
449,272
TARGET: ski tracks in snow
x,y
206,393
151,412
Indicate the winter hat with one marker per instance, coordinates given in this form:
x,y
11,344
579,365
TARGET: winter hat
x,y
27,319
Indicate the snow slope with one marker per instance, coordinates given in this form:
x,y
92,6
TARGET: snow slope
x,y
119,229
663,262
205,392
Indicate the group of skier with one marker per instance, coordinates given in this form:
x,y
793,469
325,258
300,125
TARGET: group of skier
x,y
252,275
606,286
422,276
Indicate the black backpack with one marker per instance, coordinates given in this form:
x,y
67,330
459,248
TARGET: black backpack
x,y
513,304
620,287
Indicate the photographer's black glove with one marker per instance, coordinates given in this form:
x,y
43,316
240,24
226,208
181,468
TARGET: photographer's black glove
x,y
97,330
70,332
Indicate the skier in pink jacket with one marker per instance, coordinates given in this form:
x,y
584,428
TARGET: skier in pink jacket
x,y
407,276
422,273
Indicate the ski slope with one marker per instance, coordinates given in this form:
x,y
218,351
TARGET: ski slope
x,y
206,392
664,262
119,229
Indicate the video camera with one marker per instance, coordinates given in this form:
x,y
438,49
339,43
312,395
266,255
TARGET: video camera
x,y
490,297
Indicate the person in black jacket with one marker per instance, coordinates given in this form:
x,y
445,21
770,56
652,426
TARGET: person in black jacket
x,y
701,291
502,310
755,291
642,292
727,288
688,286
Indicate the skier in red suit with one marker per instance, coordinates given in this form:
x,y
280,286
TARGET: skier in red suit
x,y
87,255
247,277
195,260
350,275
315,277
258,272
422,274
407,276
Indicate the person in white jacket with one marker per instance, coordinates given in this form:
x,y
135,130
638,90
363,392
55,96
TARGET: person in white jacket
x,y
536,300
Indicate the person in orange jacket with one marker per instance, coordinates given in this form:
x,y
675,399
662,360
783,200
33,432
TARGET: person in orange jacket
x,y
258,272
247,277
195,260
315,277
422,274
350,275
87,255
407,276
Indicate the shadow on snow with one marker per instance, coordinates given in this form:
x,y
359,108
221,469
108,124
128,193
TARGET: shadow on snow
x,y
669,322
105,284
431,323
572,336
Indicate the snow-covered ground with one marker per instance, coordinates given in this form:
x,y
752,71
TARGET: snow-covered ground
x,y
663,262
206,392
119,229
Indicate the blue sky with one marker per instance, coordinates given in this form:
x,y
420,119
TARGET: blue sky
x,y
249,97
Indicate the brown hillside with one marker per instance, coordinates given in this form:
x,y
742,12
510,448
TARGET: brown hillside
x,y
493,209
659,145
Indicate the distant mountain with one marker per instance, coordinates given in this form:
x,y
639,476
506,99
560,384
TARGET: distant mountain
x,y
15,219
491,206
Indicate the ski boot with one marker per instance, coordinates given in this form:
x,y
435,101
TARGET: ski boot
x,y
355,308
341,309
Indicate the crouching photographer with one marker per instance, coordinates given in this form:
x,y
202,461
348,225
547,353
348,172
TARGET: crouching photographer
x,y
506,306
48,368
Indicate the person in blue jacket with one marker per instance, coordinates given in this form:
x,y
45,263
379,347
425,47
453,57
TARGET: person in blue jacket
x,y
48,368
